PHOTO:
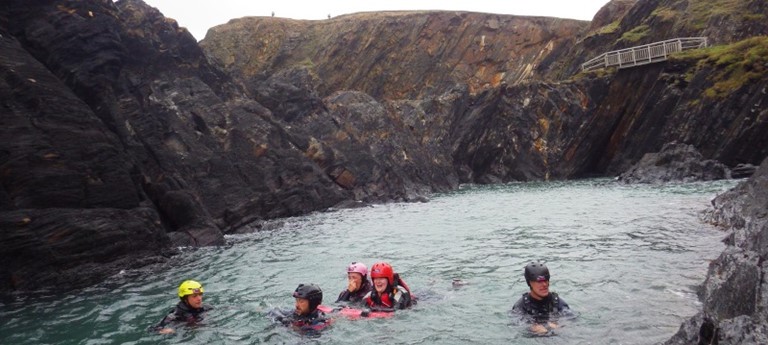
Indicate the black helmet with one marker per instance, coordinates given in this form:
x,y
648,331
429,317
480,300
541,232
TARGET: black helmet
x,y
536,271
309,292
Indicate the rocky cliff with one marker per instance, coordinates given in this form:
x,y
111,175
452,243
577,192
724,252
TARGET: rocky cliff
x,y
122,137
119,141
392,55
533,116
734,293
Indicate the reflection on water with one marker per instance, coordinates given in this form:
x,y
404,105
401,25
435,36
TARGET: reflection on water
x,y
626,258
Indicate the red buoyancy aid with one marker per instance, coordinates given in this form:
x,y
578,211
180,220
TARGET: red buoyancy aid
x,y
387,300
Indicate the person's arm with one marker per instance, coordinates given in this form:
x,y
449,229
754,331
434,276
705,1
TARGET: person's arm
x,y
161,326
404,301
283,316
519,306
343,296
367,311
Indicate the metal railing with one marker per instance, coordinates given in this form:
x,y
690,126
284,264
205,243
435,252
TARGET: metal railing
x,y
645,54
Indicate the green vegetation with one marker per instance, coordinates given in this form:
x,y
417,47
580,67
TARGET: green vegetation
x,y
636,34
665,14
608,29
604,30
307,62
598,73
704,10
732,66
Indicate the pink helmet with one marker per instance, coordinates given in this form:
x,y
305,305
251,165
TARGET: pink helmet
x,y
357,267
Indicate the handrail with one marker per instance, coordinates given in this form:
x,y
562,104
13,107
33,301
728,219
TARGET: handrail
x,y
644,54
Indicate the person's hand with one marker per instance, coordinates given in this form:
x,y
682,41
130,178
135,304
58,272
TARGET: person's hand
x,y
353,286
538,328
166,331
552,325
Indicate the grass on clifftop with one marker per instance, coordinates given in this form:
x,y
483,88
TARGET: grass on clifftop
x,y
704,10
732,65
697,14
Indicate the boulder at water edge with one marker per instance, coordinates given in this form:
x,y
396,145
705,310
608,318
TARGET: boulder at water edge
x,y
674,163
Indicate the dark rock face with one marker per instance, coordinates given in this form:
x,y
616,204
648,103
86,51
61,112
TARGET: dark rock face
x,y
392,55
364,146
71,212
109,108
734,293
67,247
674,163
114,122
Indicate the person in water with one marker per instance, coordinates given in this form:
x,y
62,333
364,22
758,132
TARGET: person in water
x,y
305,318
389,291
358,284
539,303
189,310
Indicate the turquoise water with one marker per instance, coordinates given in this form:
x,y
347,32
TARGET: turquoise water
x,y
627,259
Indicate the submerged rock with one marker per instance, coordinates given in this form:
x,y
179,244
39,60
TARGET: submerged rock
x,y
674,163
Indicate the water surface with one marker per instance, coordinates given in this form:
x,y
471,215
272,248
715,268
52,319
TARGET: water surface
x,y
628,259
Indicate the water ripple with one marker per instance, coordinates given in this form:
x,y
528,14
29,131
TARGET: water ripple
x,y
628,259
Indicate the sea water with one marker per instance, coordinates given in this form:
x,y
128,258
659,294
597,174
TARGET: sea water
x,y
627,259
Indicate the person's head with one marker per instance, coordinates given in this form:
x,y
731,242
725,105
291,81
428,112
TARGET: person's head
x,y
191,292
537,278
357,273
383,276
308,297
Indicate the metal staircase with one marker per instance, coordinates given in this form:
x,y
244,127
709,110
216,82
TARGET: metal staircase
x,y
645,54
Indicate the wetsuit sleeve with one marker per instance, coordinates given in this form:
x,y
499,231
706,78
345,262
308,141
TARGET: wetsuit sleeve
x,y
405,299
518,307
283,316
343,296
166,320
563,307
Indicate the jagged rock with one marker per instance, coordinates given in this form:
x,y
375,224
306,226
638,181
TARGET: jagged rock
x,y
674,163
735,293
743,171
610,14
392,55
66,247
111,106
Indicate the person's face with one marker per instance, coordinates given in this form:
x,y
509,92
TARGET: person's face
x,y
539,289
355,281
195,300
380,284
302,306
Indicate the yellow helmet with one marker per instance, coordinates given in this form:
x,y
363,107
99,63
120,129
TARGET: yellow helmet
x,y
189,287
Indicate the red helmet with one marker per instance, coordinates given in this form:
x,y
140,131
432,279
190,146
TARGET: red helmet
x,y
383,270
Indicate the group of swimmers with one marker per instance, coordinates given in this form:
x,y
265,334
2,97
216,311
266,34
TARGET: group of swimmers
x,y
385,292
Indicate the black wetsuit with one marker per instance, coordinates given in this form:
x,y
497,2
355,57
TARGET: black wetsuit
x,y
541,310
184,313
357,296
314,321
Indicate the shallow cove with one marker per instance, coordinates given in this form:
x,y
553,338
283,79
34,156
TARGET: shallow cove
x,y
627,259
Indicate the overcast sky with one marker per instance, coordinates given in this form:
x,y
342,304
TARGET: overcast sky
x,y
199,15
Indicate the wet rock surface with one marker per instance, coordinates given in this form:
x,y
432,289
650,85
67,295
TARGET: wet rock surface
x,y
734,292
675,163
110,108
